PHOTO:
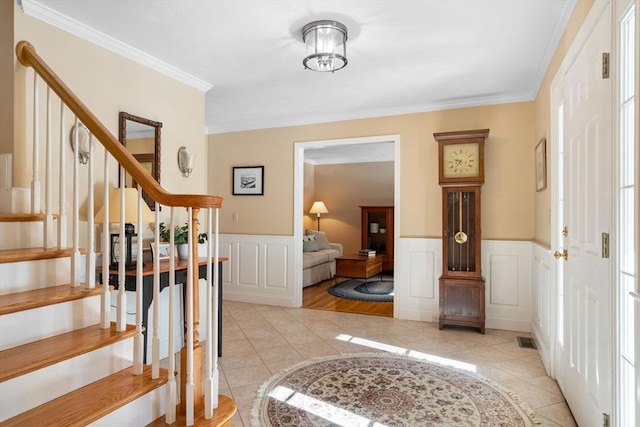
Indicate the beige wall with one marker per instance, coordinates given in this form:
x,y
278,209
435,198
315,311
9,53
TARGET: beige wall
x,y
508,194
309,195
6,76
542,118
345,187
108,83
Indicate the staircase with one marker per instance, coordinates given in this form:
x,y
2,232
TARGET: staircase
x,y
64,359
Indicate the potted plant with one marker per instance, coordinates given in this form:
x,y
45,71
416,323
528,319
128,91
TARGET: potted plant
x,y
181,238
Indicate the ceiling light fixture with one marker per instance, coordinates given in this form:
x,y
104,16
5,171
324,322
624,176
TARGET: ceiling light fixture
x,y
326,46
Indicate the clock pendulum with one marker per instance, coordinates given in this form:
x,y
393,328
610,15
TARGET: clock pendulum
x,y
460,237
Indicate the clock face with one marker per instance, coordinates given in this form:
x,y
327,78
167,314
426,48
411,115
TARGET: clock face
x,y
460,160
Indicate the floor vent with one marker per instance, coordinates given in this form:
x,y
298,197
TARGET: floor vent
x,y
526,342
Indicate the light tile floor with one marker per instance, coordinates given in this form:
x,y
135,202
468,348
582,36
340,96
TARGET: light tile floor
x,y
261,340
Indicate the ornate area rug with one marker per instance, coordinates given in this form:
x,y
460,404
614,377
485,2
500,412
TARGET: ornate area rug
x,y
380,389
372,290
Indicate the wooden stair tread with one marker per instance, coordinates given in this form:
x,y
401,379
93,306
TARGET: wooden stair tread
x,y
35,298
91,402
221,415
34,254
24,217
35,355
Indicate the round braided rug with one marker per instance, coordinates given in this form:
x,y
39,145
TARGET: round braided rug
x,y
384,390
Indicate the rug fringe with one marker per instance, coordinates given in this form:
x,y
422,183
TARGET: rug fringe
x,y
262,391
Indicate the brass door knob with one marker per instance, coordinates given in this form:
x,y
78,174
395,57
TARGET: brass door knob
x,y
564,254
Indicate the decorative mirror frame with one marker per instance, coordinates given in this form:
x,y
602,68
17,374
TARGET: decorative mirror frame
x,y
154,157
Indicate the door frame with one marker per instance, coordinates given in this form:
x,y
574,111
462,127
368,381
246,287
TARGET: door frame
x,y
556,98
298,198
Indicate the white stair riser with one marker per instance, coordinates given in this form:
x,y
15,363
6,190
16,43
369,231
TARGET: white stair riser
x,y
29,275
35,388
140,412
32,325
18,235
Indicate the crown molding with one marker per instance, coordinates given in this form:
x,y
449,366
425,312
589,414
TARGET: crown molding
x,y
558,31
243,125
39,11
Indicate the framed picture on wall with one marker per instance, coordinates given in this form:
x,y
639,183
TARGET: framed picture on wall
x,y
541,165
248,180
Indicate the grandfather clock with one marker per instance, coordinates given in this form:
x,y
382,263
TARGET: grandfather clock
x,y
461,175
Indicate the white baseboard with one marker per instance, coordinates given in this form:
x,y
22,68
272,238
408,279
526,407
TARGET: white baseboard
x,y
258,299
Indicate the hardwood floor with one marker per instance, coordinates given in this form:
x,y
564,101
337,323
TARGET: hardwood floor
x,y
317,297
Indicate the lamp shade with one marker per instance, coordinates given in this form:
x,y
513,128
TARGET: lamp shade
x,y
326,43
131,207
318,208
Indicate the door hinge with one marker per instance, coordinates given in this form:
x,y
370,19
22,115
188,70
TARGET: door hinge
x,y
605,65
605,245
605,420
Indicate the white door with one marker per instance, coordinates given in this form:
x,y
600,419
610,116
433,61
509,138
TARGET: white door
x,y
584,352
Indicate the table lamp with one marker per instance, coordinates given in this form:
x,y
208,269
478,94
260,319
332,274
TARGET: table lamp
x,y
130,217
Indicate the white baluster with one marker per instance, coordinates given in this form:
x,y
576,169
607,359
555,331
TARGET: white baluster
x,y
172,388
208,380
155,343
62,219
47,238
105,298
216,306
90,271
189,389
211,380
121,320
35,179
75,252
138,342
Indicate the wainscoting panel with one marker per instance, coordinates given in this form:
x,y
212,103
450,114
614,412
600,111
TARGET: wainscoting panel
x,y
422,267
506,266
503,269
276,261
543,322
418,268
259,270
248,273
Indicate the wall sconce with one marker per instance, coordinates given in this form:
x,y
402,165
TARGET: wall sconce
x,y
186,159
83,141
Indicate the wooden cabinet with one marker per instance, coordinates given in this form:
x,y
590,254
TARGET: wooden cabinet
x,y
377,232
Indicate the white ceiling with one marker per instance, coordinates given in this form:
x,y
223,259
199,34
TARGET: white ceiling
x,y
404,56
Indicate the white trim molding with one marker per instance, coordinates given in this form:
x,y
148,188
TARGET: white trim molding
x,y
46,14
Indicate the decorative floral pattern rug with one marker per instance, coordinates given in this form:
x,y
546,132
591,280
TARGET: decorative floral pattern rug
x,y
380,389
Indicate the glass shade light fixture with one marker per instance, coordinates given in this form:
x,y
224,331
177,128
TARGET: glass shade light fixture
x,y
326,43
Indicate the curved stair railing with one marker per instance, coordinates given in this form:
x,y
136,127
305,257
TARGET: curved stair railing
x,y
195,359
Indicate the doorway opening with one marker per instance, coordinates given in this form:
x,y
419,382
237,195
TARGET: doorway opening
x,y
342,163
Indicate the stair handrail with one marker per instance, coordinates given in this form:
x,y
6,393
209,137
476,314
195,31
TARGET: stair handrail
x,y
27,55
